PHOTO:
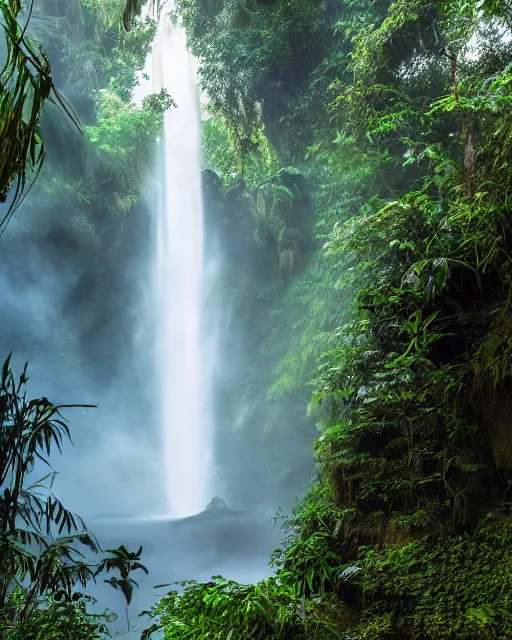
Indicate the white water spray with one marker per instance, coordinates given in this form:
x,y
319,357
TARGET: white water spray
x,y
184,412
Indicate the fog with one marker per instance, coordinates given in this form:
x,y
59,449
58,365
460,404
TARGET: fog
x,y
89,302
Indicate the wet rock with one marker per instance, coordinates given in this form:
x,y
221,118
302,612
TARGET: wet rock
x,y
217,504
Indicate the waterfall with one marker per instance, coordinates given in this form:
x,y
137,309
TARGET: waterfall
x,y
182,371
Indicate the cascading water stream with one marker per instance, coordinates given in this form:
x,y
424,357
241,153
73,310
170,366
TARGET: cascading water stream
x,y
184,412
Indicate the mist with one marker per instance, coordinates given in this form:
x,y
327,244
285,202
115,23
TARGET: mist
x,y
101,306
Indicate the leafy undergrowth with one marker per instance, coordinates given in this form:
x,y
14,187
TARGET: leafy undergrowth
x,y
457,587
223,609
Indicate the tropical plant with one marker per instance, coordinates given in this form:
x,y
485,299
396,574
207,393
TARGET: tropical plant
x,y
43,546
223,609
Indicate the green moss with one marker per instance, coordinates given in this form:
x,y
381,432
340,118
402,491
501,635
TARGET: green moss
x,y
457,587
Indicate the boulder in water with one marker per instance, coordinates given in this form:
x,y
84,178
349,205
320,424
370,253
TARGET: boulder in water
x,y
217,504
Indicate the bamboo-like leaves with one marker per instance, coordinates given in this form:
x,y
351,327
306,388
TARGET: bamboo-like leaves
x,y
40,540
30,515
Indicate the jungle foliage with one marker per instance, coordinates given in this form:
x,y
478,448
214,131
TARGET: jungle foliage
x,y
26,84
397,115
84,207
47,554
359,156
95,64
